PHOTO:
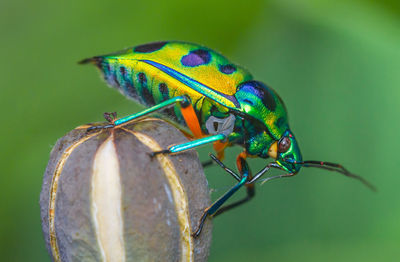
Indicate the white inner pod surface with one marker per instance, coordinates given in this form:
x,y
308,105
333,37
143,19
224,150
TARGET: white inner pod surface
x,y
106,202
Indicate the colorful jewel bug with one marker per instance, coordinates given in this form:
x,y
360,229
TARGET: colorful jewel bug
x,y
211,100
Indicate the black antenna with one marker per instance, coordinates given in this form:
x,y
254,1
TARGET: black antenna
x,y
335,168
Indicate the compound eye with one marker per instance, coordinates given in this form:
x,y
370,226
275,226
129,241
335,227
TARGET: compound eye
x,y
283,144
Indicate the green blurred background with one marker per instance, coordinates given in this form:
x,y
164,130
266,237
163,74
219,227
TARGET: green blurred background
x,y
336,64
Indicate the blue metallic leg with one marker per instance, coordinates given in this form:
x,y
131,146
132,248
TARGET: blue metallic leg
x,y
184,100
190,145
227,169
250,193
217,204
250,190
213,209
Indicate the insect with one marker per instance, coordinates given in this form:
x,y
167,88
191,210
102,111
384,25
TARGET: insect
x,y
211,100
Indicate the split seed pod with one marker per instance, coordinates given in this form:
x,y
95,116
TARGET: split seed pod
x,y
105,199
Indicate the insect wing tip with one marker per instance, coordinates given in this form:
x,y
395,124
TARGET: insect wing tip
x,y
92,60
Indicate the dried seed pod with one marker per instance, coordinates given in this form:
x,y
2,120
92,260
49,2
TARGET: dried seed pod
x,y
105,199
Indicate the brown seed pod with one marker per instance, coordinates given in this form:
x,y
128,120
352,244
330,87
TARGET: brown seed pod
x,y
105,199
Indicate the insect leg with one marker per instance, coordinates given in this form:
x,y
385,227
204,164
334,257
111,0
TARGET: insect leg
x,y
191,120
190,145
227,169
250,190
219,147
209,211
264,170
183,100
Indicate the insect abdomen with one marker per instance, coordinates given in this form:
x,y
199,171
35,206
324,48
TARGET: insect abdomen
x,y
144,84
124,78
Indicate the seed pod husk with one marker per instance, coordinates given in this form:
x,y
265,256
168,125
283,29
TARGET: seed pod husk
x,y
105,199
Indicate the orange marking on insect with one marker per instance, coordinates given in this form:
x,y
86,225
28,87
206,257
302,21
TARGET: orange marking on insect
x,y
241,156
219,147
192,121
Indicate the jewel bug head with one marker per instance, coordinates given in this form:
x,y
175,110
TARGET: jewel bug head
x,y
266,113
286,152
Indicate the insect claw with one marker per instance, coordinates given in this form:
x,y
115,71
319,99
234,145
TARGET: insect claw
x,y
199,228
196,233
155,153
100,127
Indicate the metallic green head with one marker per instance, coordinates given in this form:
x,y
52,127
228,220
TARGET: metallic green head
x,y
267,127
288,153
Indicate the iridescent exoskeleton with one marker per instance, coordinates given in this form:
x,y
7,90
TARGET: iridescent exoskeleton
x,y
211,100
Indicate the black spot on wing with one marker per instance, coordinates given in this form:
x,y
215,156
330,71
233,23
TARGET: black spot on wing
x,y
262,92
196,58
142,79
269,100
147,97
163,88
227,69
115,79
130,89
148,48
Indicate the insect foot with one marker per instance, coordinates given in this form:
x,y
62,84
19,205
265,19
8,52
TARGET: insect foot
x,y
153,154
110,117
99,127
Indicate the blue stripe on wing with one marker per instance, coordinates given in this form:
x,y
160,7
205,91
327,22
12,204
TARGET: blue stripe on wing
x,y
195,85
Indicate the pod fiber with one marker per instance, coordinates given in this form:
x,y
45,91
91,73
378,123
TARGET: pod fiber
x,y
105,199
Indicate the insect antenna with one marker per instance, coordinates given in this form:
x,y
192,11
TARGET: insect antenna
x,y
335,168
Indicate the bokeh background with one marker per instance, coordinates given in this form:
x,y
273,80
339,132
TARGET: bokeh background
x,y
336,64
